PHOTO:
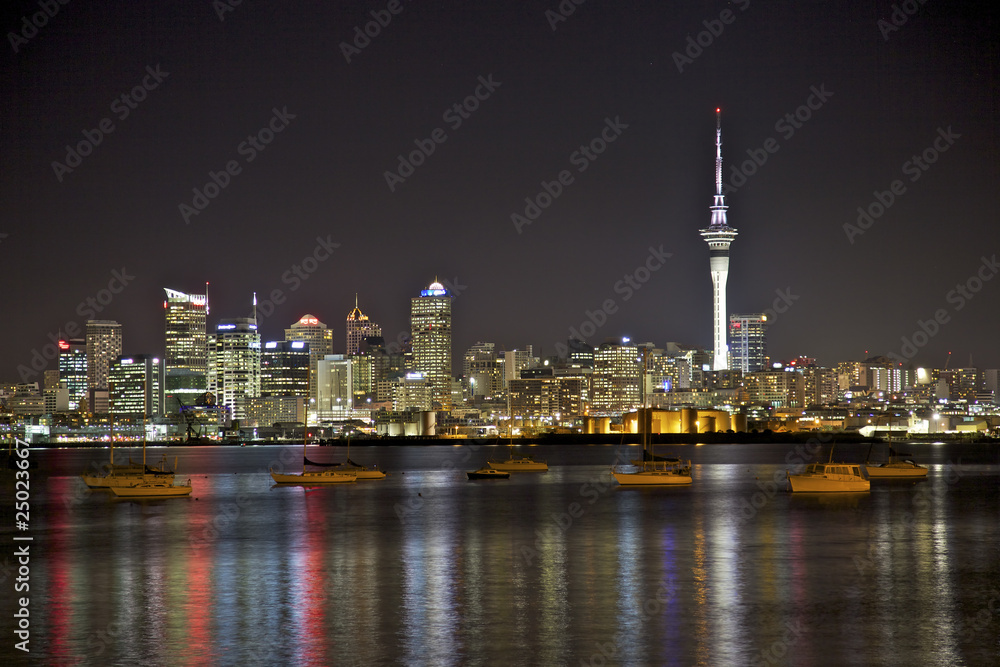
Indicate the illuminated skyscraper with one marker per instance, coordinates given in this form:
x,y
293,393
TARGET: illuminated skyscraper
x,y
359,328
719,235
430,325
186,358
186,334
616,378
234,364
136,385
73,369
284,369
104,345
320,338
748,342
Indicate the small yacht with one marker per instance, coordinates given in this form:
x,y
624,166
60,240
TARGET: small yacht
x,y
830,477
895,468
519,464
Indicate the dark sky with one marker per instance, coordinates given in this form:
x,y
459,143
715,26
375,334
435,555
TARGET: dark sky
x,y
888,95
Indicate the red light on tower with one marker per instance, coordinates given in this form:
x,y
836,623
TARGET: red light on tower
x,y
63,345
718,110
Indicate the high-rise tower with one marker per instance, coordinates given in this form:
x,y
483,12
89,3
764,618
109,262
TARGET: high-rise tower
x,y
430,323
185,362
359,328
718,236
104,345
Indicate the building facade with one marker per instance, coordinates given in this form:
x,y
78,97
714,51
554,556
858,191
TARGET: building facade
x,y
73,370
616,379
136,386
359,327
430,325
284,369
104,345
320,339
234,357
748,342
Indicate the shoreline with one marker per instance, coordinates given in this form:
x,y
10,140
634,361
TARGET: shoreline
x,y
564,439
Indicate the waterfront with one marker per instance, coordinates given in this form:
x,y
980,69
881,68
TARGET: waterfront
x,y
562,567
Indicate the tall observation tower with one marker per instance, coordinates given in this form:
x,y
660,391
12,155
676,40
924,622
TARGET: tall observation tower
x,y
718,236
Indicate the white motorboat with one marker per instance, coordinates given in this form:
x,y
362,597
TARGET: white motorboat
x,y
519,464
829,478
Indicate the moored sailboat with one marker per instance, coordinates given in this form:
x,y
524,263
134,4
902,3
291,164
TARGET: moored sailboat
x,y
895,468
147,485
653,470
314,477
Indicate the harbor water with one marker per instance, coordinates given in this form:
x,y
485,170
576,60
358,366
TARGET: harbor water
x,y
558,568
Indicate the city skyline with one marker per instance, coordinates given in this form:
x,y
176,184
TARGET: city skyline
x,y
861,145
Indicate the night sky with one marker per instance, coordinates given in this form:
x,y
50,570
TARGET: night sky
x,y
880,94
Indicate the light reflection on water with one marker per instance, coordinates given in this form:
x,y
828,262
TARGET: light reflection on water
x,y
553,568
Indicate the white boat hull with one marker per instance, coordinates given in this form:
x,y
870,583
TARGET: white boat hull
x,y
120,479
897,471
324,477
360,472
519,465
157,489
651,478
829,478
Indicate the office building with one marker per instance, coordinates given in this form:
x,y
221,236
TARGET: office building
x,y
748,342
73,370
320,339
284,369
104,345
358,328
136,386
430,325
234,356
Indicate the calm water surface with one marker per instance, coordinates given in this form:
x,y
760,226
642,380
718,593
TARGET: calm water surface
x,y
557,568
